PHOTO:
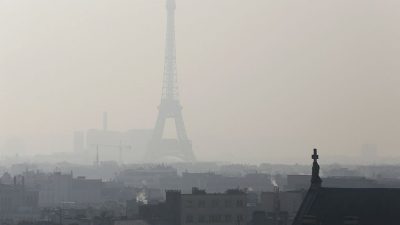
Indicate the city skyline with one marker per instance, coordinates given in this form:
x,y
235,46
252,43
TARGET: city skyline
x,y
261,82
211,112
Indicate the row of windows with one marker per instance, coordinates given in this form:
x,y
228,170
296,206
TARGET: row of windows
x,y
214,218
214,203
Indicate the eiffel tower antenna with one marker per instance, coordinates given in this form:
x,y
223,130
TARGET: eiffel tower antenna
x,y
170,107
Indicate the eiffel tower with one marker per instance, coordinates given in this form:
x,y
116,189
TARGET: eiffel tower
x,y
160,148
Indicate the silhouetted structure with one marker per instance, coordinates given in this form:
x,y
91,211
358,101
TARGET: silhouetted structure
x,y
199,207
121,146
79,141
281,207
161,149
111,145
212,182
333,206
214,208
302,182
18,202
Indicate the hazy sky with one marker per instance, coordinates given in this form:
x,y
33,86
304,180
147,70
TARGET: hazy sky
x,y
260,80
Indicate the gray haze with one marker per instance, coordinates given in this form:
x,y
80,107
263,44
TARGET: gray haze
x,y
260,80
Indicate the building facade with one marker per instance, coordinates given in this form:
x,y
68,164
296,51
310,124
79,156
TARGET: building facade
x,y
227,208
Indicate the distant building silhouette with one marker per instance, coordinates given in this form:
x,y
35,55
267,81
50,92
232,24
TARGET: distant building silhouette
x,y
79,141
198,207
120,146
130,146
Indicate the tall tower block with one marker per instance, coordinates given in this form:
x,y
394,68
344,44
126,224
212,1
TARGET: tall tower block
x,y
160,148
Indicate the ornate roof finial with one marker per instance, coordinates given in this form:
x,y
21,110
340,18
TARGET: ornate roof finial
x,y
315,178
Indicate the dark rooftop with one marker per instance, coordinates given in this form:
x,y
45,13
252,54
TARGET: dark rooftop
x,y
371,205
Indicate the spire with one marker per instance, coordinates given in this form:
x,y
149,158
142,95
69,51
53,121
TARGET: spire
x,y
315,179
170,83
315,156
171,5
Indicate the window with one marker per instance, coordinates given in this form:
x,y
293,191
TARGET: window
x,y
202,219
201,204
211,218
189,219
239,217
215,218
228,203
239,203
215,203
218,218
228,218
189,203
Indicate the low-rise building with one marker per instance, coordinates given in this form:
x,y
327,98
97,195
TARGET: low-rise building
x,y
18,203
198,208
281,203
226,208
